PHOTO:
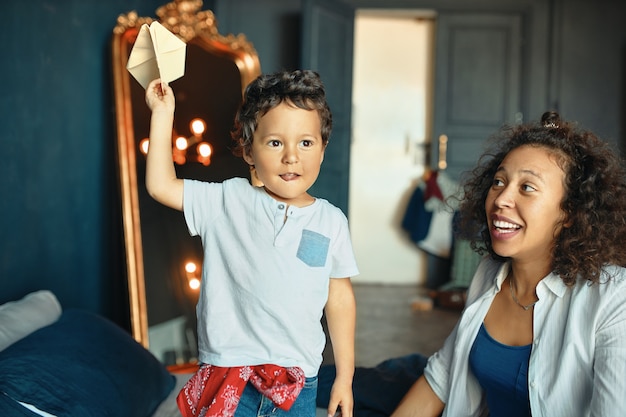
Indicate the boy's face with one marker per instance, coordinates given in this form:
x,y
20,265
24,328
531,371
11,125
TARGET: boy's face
x,y
287,152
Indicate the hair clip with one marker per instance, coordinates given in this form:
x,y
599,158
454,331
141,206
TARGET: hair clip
x,y
550,125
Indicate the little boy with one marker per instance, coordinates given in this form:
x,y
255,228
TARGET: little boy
x,y
275,257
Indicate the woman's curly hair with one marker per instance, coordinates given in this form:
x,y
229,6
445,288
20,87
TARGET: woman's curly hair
x,y
301,88
594,228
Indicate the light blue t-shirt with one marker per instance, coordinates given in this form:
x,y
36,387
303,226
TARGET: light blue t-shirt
x,y
265,274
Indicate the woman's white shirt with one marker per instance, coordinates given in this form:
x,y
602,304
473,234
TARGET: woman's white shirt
x,y
578,360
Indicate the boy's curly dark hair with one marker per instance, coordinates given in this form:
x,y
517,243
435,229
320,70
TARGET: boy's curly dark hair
x,y
594,202
301,88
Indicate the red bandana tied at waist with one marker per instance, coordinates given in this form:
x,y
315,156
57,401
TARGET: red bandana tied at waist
x,y
214,391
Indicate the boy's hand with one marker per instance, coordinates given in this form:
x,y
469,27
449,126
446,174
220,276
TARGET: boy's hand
x,y
159,96
341,400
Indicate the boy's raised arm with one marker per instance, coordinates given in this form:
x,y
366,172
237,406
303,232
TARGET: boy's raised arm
x,y
161,181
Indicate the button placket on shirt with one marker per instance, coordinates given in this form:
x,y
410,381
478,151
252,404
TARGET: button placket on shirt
x,y
279,221
283,226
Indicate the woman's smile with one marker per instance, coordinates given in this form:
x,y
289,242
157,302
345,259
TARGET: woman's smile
x,y
503,228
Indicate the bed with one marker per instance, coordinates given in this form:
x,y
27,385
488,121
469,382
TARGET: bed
x,y
70,362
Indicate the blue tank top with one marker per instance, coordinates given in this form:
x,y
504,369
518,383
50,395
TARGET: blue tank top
x,y
502,372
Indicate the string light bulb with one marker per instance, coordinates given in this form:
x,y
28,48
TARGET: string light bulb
x,y
143,145
197,126
194,283
182,145
191,269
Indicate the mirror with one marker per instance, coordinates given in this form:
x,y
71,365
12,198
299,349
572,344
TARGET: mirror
x,y
160,253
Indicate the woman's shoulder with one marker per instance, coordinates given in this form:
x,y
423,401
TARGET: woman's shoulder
x,y
605,300
609,289
612,276
615,272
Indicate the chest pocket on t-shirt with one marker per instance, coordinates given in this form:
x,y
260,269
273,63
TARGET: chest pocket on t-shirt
x,y
313,248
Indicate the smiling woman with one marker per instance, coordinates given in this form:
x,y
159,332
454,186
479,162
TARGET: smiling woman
x,y
547,202
163,261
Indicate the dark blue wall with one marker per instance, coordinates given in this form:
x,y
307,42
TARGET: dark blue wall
x,y
59,204
60,225
273,27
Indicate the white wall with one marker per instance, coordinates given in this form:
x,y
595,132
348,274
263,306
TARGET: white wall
x,y
391,98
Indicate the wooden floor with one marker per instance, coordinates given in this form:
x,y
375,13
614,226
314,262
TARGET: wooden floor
x,y
388,326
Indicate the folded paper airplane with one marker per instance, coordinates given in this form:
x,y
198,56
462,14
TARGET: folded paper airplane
x,y
157,53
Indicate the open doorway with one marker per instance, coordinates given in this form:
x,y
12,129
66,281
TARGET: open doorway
x,y
392,108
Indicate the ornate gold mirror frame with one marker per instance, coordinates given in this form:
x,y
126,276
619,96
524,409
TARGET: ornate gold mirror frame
x,y
203,91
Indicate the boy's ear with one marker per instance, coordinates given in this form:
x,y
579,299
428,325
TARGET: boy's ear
x,y
254,177
248,157
324,152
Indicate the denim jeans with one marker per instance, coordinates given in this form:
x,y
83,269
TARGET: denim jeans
x,y
254,404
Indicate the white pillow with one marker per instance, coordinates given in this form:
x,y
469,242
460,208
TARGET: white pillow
x,y
20,318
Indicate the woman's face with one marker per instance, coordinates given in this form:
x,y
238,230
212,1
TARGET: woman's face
x,y
523,205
